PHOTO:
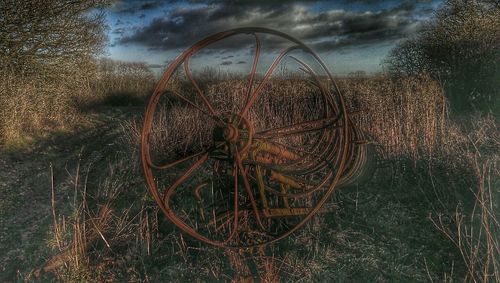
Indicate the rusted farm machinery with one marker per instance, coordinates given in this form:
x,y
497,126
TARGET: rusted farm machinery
x,y
251,184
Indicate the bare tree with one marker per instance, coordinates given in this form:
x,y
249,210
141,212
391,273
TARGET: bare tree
x,y
461,47
36,33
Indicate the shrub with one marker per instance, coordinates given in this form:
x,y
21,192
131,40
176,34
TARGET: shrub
x,y
460,47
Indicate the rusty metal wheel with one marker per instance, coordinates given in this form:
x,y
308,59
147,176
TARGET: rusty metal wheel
x,y
254,164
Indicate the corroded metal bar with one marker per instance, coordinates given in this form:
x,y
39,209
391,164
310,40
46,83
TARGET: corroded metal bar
x,y
268,74
197,87
285,180
289,212
277,151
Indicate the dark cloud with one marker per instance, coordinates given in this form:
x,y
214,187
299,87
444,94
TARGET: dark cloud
x,y
375,2
148,6
227,57
323,29
241,62
253,3
119,31
360,1
132,6
226,63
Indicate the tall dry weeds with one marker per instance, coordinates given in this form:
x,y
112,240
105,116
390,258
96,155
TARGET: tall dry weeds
x,y
43,101
91,239
406,117
30,105
115,78
476,234
474,229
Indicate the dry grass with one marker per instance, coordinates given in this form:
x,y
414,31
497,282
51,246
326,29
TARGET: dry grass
x,y
88,238
476,234
179,129
40,102
117,80
474,227
31,105
407,118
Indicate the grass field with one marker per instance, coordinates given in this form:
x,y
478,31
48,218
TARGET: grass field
x,y
75,206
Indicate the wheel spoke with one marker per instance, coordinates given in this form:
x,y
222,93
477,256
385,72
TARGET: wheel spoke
x,y
306,68
296,149
302,193
293,182
304,154
317,160
254,68
179,161
197,87
268,74
236,205
172,164
183,98
309,156
248,189
169,191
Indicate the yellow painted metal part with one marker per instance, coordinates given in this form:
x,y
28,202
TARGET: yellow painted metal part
x,y
284,191
278,151
284,212
285,180
268,149
260,182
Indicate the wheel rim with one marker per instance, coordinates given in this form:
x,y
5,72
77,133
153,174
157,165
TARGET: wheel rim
x,y
234,144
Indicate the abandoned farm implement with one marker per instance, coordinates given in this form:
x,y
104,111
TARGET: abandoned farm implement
x,y
264,171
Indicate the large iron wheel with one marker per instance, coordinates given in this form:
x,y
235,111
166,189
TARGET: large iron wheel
x,y
251,184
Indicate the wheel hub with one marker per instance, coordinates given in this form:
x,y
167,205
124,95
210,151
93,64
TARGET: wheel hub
x,y
231,133
235,132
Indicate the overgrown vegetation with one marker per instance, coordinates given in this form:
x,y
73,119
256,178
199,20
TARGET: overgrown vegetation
x,y
48,70
430,213
433,174
48,36
34,105
460,47
45,53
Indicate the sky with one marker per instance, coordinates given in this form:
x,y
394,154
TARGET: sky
x,y
349,35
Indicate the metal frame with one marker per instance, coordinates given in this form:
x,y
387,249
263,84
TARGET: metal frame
x,y
256,158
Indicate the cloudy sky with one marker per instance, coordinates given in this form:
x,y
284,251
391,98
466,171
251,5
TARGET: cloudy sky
x,y
349,35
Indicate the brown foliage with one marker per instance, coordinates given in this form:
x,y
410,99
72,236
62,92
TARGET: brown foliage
x,y
460,47
36,104
53,33
46,50
406,117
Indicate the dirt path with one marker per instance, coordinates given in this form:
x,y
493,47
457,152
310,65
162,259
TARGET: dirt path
x,y
25,188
